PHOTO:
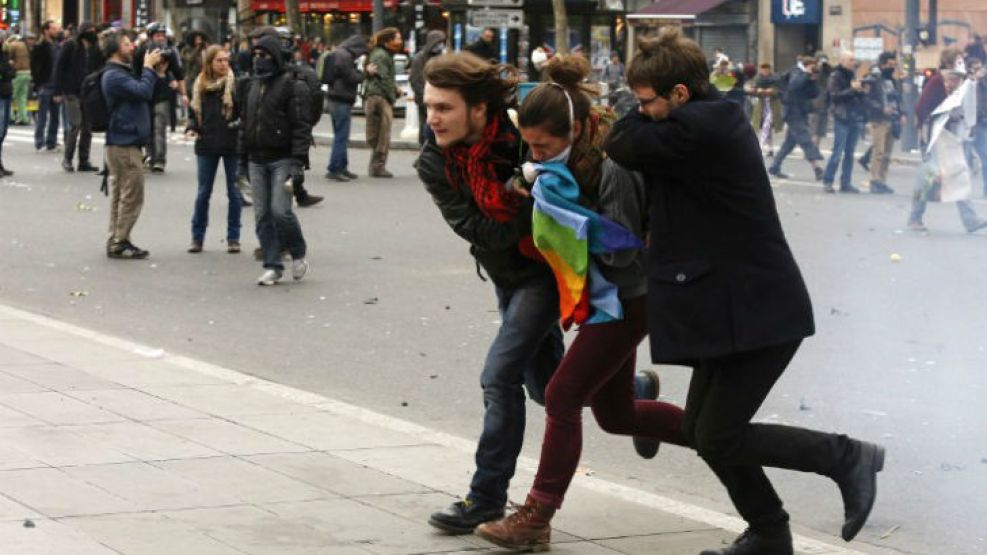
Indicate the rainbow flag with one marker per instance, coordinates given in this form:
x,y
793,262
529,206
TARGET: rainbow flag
x,y
567,234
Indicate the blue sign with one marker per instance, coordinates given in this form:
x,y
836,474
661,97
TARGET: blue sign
x,y
796,12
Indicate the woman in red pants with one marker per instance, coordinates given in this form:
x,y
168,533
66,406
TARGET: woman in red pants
x,y
559,125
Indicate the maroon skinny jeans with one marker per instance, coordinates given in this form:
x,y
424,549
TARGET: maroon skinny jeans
x,y
599,368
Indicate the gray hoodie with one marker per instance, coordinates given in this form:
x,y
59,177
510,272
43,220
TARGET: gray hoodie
x,y
345,76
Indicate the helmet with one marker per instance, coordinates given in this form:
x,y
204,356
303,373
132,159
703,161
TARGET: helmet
x,y
156,27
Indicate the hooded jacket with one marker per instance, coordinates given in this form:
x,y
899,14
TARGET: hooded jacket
x,y
274,115
75,61
345,78
417,75
128,98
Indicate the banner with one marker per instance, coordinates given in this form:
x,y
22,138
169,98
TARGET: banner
x,y
796,12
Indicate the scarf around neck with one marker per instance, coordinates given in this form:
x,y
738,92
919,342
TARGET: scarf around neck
x,y
202,86
486,166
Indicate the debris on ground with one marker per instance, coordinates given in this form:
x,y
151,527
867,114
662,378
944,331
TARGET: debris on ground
x,y
803,406
890,531
28,523
79,293
371,300
895,257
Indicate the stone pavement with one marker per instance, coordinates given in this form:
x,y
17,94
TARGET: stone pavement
x,y
109,447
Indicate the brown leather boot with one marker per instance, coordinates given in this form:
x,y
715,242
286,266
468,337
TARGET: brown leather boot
x,y
526,529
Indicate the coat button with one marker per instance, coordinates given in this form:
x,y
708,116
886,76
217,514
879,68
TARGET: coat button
x,y
680,277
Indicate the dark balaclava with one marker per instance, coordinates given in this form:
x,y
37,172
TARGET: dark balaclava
x,y
266,68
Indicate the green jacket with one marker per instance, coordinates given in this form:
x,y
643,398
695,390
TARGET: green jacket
x,y
382,84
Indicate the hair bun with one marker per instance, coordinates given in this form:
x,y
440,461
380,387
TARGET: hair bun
x,y
567,70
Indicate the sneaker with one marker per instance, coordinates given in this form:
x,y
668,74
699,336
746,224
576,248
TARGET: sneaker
x,y
127,250
157,167
349,175
289,185
849,189
233,247
917,226
776,172
646,386
828,188
878,188
196,246
337,176
462,517
309,200
818,172
87,167
298,268
67,166
270,277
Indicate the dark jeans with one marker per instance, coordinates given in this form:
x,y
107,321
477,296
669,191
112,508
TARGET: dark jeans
x,y
598,369
724,395
798,135
46,126
79,133
207,166
342,116
845,136
277,226
524,355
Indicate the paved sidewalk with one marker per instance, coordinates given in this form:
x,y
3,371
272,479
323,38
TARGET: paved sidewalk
x,y
109,447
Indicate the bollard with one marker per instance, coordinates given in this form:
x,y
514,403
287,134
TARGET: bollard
x,y
410,131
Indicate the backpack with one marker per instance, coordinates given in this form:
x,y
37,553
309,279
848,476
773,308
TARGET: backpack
x,y
94,102
327,68
308,77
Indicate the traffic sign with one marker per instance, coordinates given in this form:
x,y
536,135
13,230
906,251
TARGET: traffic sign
x,y
513,19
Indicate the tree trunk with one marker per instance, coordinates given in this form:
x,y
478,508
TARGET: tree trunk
x,y
561,27
293,16
245,17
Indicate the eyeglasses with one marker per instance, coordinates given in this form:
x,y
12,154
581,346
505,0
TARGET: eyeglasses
x,y
643,102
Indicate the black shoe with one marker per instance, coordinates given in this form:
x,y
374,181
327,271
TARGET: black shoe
x,y
858,485
849,189
309,200
758,543
818,173
463,516
4,172
349,174
646,386
878,188
337,176
67,166
87,167
864,164
127,250
777,173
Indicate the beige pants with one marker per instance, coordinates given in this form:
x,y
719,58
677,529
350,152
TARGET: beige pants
x,y
880,160
126,167
380,113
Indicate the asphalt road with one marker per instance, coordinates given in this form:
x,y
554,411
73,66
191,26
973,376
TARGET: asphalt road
x,y
392,317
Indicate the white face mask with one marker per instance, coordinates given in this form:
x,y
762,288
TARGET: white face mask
x,y
562,157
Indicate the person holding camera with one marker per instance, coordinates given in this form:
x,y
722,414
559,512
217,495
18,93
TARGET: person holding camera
x,y
275,135
79,56
172,83
127,98
214,125
847,96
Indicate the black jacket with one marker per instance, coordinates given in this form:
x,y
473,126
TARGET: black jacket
x,y
345,76
42,63
721,277
493,244
275,113
7,74
217,134
884,93
847,104
416,77
485,50
74,63
799,94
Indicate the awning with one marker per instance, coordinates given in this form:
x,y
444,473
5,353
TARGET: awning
x,y
675,9
320,6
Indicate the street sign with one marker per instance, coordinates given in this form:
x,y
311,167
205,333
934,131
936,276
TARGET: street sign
x,y
498,3
868,49
513,19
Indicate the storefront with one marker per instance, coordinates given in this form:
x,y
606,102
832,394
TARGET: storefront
x,y
730,25
335,20
797,29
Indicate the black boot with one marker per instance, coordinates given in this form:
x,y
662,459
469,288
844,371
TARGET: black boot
x,y
775,542
462,517
4,172
857,479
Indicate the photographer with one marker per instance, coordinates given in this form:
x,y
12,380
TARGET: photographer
x,y
173,82
847,96
884,111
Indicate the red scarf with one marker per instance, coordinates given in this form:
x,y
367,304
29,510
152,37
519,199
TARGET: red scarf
x,y
477,165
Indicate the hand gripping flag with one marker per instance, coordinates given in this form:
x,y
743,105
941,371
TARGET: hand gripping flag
x,y
567,234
